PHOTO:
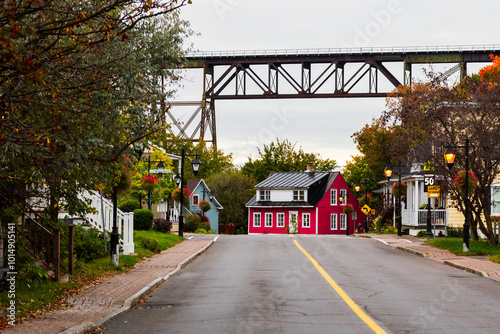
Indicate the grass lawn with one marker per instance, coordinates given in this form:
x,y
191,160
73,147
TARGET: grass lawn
x,y
34,299
455,245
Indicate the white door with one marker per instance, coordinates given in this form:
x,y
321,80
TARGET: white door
x,y
293,225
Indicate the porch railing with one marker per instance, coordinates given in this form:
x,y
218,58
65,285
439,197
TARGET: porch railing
x,y
419,218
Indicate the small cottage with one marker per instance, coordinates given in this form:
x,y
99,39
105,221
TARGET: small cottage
x,y
305,203
201,192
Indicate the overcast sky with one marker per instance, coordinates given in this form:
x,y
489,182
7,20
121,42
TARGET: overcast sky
x,y
323,126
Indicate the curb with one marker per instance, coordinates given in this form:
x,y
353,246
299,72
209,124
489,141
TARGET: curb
x,y
132,300
459,266
412,251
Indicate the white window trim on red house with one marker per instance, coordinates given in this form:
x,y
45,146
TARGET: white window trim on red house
x,y
279,222
343,221
333,197
255,220
268,219
306,220
333,222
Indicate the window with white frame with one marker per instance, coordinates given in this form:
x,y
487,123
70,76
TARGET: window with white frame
x,y
269,219
343,221
280,220
256,219
306,220
343,194
333,197
196,200
333,221
299,195
495,199
265,195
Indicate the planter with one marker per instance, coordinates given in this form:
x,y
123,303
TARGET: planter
x,y
148,182
459,182
348,209
395,189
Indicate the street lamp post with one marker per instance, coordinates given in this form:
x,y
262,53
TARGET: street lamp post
x,y
196,163
449,157
358,188
388,173
341,199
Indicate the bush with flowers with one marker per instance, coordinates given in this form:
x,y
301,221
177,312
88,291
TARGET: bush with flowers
x,y
148,182
204,206
176,195
396,189
459,182
348,209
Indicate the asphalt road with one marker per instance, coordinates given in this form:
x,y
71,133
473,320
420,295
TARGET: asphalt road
x,y
266,284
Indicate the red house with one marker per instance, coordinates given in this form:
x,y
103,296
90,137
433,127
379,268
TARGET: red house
x,y
304,203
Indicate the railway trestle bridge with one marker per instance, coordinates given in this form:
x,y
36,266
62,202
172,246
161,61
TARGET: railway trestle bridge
x,y
312,73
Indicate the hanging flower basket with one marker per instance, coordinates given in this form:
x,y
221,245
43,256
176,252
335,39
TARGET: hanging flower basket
x,y
148,182
204,206
176,195
395,189
348,209
459,182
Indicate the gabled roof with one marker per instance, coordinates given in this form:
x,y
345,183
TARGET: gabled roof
x,y
291,180
192,184
317,186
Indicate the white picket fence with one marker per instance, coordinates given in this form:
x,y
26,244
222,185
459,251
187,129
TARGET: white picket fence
x,y
102,219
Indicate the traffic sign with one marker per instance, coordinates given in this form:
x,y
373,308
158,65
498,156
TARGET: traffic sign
x,y
434,191
159,171
366,209
429,180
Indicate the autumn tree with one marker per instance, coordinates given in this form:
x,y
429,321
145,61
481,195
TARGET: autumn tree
x,y
432,115
233,190
282,156
80,82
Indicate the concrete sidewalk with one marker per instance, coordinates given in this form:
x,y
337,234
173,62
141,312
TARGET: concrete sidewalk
x,y
115,294
476,265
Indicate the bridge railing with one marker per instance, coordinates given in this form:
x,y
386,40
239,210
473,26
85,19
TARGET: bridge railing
x,y
353,50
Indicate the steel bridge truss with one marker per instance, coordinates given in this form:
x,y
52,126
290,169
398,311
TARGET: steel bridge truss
x,y
229,76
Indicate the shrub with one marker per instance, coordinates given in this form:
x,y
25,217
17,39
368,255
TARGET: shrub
x,y
191,223
204,225
129,205
89,244
378,223
162,225
421,234
455,232
151,245
201,231
143,219
389,229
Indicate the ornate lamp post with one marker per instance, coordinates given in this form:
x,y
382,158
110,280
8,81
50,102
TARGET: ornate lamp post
x,y
341,199
449,157
357,187
388,173
196,163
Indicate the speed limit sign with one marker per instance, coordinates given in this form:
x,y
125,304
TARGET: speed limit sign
x,y
429,180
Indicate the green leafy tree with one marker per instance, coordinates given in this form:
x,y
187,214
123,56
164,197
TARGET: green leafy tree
x,y
283,157
433,114
80,82
233,190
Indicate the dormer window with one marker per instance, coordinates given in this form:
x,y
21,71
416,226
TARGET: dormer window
x,y
299,195
265,195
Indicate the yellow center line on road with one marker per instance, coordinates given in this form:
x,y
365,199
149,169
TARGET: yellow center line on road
x,y
342,294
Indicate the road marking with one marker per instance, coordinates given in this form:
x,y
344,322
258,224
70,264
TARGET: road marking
x,y
382,241
342,294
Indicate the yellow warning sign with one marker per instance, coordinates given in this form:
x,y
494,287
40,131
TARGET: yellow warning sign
x,y
366,209
434,191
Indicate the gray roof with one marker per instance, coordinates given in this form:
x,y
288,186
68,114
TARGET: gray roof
x,y
289,180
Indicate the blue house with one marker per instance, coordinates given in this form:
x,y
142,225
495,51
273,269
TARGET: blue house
x,y
201,192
